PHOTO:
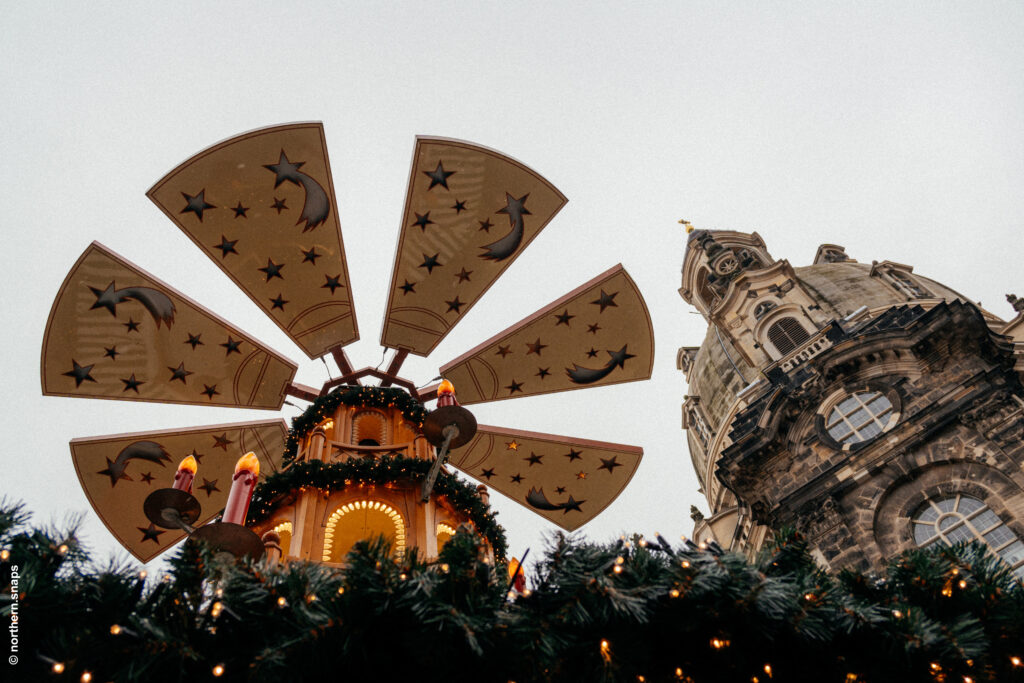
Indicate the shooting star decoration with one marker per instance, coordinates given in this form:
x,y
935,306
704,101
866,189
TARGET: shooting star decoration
x,y
315,206
148,451
156,302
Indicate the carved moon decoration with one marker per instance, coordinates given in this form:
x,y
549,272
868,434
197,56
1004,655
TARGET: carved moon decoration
x,y
598,334
469,213
118,472
117,332
261,205
567,481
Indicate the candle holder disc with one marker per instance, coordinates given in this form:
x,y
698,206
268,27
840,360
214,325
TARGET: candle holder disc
x,y
172,509
227,537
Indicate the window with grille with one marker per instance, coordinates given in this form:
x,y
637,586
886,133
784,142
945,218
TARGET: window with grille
x,y
700,427
958,518
860,417
787,334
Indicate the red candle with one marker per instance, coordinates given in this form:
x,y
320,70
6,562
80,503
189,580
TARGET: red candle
x,y
446,394
185,474
247,471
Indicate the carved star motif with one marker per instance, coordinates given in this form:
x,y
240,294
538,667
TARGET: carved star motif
x,y
592,353
105,298
208,486
80,373
240,210
516,478
226,246
407,288
564,318
514,387
572,505
511,446
605,300
459,206
111,353
463,275
430,262
485,225
438,176
422,221
284,170
222,441
559,489
503,350
193,340
573,455
232,346
620,357
131,325
131,383
454,305
487,473
534,459
610,464
581,475
116,472
197,204
272,270
332,283
150,533
543,372
592,329
279,205
210,391
146,477
536,347
311,256
179,373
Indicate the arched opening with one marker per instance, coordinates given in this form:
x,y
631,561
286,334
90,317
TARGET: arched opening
x,y
444,534
704,291
786,334
369,428
955,518
284,530
359,520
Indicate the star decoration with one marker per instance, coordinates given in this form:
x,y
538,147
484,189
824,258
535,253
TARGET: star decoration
x,y
198,456
610,464
131,325
272,270
536,347
459,206
115,472
407,288
106,298
581,475
430,262
193,339
197,204
573,454
279,205
454,305
514,207
543,372
226,246
422,221
534,459
208,486
592,329
606,300
333,282
284,169
486,225
438,176
516,478
179,372
564,318
150,533
620,357
232,346
514,387
80,373
592,353
111,352
240,210
278,302
131,383
511,446
503,350
463,275
222,441
487,473
210,391
572,504
146,477
559,489
310,256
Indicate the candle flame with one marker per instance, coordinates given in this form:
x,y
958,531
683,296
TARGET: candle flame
x,y
445,387
248,463
189,464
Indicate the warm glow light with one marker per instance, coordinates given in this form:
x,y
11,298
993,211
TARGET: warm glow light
x,y
86,677
617,569
445,388
115,630
947,591
674,592
58,667
936,667
216,609
218,670
963,584
248,463
768,670
898,614
62,549
719,643
679,672
686,564
281,602
143,574
341,590
189,464
5,554
1016,661
444,567
620,560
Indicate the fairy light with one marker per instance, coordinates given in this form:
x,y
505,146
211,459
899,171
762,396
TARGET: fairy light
x,y
620,560
617,569
143,574
947,591
606,648
719,643
5,554
444,567
310,598
62,549
216,609
57,668
962,584
968,679
679,672
281,602
86,677
674,593
341,590
115,630
768,670
898,614
218,670
685,564
935,666
1016,661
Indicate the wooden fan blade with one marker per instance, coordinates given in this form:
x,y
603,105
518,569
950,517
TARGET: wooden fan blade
x,y
117,332
567,481
598,334
119,471
469,212
262,207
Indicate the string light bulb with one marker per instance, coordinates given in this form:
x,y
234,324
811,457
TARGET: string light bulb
x,y
86,677
218,670
62,549
57,668
5,554
1016,661
115,630
281,602
768,670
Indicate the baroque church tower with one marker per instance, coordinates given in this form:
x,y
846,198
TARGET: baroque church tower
x,y
872,409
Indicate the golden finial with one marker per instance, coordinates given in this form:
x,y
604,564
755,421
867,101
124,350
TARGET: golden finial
x,y
688,224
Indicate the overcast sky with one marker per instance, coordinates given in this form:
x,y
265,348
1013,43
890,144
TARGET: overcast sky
x,y
894,129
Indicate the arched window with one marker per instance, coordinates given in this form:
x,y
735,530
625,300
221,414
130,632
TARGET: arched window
x,y
956,518
787,334
704,291
860,417
359,520
763,308
369,428
907,285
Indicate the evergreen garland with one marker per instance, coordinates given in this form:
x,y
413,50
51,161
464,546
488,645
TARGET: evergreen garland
x,y
625,611
351,395
377,471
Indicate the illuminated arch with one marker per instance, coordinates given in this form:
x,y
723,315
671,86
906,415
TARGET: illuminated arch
x,y
358,520
444,534
284,530
369,428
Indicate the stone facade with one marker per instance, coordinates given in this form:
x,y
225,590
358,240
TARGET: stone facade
x,y
874,392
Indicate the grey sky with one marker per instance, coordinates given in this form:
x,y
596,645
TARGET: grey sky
x,y
894,129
